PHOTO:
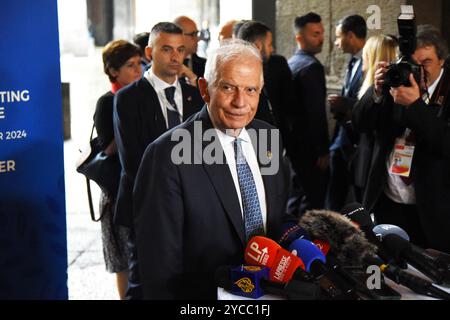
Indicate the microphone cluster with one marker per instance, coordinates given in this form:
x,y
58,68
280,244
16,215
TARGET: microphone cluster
x,y
325,256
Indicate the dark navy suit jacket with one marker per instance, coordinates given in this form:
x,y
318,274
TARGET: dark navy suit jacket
x,y
309,120
138,121
188,219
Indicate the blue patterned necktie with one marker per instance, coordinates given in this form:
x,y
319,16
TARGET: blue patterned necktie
x,y
173,117
250,203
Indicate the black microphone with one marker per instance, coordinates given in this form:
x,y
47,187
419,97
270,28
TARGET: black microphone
x,y
359,215
414,255
292,290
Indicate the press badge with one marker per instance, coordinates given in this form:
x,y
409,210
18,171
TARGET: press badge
x,y
402,160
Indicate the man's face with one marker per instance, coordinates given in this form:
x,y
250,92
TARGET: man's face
x,y
342,40
267,46
167,54
312,37
427,57
191,38
233,100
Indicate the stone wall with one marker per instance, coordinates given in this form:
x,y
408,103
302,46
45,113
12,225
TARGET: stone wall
x,y
331,12
427,12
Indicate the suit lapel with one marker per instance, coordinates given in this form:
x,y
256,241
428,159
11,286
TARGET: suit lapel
x,y
188,105
222,181
152,103
354,87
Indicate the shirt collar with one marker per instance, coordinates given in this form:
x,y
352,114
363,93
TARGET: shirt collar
x,y
435,83
358,55
159,84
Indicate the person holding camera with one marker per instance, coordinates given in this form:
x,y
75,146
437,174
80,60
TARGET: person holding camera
x,y
407,112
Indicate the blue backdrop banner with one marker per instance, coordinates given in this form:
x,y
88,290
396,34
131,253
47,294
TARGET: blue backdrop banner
x,y
33,249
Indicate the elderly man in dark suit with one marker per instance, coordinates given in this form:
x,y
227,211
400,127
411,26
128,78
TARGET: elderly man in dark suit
x,y
196,207
147,108
309,138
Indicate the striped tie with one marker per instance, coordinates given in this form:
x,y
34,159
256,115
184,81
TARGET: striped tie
x,y
250,203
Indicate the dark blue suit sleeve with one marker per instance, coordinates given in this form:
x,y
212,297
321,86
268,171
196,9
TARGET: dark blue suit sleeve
x,y
126,132
158,221
312,79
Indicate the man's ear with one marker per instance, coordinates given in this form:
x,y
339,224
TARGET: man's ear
x,y
298,38
113,72
203,88
148,53
258,43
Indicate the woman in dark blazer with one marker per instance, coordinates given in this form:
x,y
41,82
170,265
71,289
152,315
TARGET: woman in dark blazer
x,y
121,62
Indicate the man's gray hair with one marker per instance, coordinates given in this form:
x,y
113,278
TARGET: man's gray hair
x,y
233,49
428,35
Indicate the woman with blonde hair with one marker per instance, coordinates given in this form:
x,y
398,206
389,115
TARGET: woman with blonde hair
x,y
377,48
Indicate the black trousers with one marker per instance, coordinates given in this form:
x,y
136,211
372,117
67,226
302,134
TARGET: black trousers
x,y
403,215
338,190
311,181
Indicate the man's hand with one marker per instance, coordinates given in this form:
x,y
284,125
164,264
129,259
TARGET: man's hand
x,y
340,107
323,162
406,96
189,74
380,73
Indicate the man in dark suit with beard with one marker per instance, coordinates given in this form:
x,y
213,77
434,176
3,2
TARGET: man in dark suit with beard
x,y
277,96
196,207
144,110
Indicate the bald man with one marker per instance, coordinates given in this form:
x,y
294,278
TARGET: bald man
x,y
226,32
191,39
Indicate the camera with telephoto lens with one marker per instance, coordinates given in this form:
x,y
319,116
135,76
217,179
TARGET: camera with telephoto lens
x,y
398,73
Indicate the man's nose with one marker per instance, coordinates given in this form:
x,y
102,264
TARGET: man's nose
x,y
177,56
238,98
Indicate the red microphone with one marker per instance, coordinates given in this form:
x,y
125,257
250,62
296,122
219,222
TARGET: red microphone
x,y
261,251
264,252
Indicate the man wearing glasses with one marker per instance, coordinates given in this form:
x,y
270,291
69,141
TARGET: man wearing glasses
x,y
192,36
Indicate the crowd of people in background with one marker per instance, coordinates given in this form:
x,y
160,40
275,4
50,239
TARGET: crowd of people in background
x,y
164,219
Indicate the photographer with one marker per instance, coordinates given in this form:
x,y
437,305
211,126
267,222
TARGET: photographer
x,y
409,179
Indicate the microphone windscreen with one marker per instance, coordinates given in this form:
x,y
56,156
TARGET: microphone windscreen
x,y
284,266
307,251
396,245
246,281
261,251
382,230
347,242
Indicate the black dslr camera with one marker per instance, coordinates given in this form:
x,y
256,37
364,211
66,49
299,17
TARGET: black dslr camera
x,y
398,72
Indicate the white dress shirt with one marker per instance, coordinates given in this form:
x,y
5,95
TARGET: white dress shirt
x,y
159,86
226,142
